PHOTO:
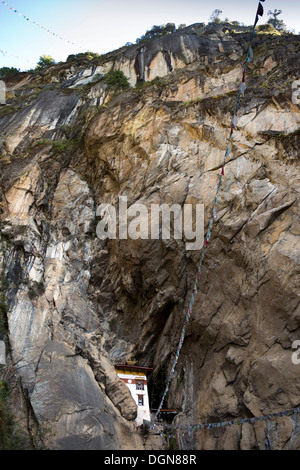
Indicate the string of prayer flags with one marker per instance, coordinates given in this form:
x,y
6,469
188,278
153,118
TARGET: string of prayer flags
x,y
47,30
208,235
182,430
189,428
15,56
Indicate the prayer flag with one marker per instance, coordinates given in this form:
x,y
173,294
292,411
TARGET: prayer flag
x,y
260,10
250,52
243,88
228,151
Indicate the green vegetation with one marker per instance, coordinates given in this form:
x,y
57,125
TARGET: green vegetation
x,y
36,289
40,143
8,109
172,443
113,324
162,30
215,16
6,423
274,25
274,21
157,31
158,82
6,71
10,437
63,146
187,104
116,81
268,29
59,146
44,62
83,56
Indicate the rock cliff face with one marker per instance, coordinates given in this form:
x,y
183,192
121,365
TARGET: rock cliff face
x,y
77,305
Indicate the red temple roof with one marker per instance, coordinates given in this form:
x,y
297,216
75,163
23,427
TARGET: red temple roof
x,y
134,368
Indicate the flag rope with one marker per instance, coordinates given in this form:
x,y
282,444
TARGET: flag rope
x,y
47,30
213,212
189,428
15,56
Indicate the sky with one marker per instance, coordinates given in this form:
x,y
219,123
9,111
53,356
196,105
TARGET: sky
x,y
103,26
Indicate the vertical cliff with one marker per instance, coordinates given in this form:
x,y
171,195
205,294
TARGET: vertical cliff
x,y
76,305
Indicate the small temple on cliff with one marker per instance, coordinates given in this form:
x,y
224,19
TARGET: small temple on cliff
x,y
135,377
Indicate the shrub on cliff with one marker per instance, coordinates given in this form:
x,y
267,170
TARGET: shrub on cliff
x,y
83,56
267,29
116,81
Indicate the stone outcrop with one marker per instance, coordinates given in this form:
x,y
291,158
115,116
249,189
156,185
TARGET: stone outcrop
x,y
77,305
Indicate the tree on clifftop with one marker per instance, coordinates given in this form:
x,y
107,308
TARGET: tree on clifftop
x,y
45,61
6,71
157,31
274,21
214,17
